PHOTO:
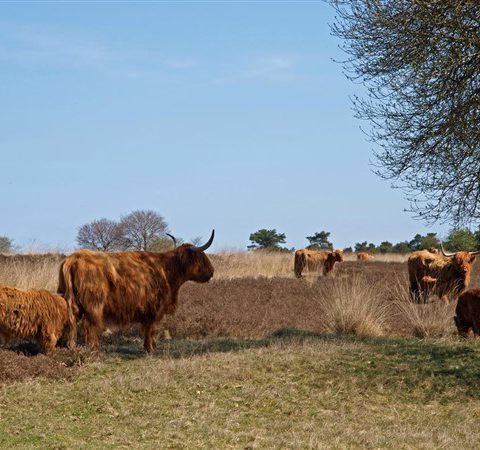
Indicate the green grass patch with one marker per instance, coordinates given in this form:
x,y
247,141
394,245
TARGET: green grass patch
x,y
291,390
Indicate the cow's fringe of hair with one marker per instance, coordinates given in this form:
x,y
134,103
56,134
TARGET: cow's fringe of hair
x,y
34,313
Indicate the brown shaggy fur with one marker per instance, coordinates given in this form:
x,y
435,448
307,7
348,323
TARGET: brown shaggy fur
x,y
467,313
431,273
37,314
363,256
127,287
314,259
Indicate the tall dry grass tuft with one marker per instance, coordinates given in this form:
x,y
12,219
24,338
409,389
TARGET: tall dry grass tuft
x,y
23,274
422,320
353,306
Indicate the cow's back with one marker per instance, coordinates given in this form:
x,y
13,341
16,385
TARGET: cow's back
x,y
122,286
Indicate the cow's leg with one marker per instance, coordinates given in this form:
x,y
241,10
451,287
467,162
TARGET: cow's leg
x,y
92,326
150,342
414,291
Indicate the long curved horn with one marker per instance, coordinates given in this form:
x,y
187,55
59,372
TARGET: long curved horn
x,y
207,244
173,239
477,252
444,252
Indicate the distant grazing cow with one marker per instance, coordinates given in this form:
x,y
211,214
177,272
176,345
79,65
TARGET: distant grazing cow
x,y
128,287
312,260
467,312
432,273
37,314
363,256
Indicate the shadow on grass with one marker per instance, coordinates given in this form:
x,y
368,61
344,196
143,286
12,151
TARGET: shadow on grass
x,y
440,369
131,347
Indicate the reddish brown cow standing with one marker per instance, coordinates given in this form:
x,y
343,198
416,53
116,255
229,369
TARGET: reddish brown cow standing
x,y
431,273
37,314
128,287
314,259
363,256
467,313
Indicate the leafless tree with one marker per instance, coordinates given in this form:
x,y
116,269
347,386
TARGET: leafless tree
x,y
142,228
102,234
420,63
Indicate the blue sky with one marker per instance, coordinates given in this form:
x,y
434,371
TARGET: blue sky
x,y
219,115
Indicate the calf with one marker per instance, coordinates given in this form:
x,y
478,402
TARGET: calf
x,y
36,314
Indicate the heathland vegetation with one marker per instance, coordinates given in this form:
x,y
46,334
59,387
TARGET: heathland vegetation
x,y
254,359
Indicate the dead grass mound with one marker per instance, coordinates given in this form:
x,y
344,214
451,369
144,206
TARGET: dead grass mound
x,y
23,362
424,320
353,306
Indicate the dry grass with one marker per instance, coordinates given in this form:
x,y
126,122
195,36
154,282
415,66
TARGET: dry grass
x,y
432,319
252,265
379,257
353,306
30,272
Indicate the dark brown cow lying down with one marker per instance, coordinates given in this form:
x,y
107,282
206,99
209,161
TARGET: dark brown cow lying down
x,y
37,314
128,287
467,312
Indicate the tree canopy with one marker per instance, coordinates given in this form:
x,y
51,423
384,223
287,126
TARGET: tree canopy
x,y
319,241
267,239
6,244
420,63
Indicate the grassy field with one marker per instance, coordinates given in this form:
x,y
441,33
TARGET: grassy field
x,y
255,362
290,390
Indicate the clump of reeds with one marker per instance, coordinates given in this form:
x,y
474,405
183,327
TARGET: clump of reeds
x,y
431,319
353,305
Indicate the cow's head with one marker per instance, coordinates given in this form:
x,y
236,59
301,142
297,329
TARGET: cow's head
x,y
336,256
195,262
332,258
461,263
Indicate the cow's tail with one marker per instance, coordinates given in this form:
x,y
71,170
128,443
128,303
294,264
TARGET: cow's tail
x,y
299,264
65,288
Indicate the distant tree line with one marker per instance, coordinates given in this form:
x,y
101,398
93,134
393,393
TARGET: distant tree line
x,y
461,239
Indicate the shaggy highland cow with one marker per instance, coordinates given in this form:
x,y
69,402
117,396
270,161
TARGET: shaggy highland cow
x,y
467,313
441,274
313,260
37,314
364,256
128,287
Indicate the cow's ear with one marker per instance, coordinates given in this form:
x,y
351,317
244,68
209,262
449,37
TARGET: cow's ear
x,y
472,258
